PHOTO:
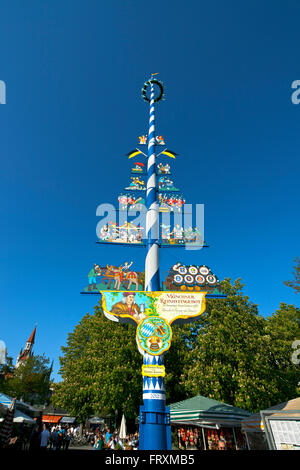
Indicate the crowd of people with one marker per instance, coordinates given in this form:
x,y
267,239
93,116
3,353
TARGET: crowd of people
x,y
113,441
59,437
56,437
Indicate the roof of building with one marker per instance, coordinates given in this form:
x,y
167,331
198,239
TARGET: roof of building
x,y
51,410
32,336
288,409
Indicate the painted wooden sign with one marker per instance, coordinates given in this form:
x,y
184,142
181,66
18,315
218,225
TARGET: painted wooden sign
x,y
192,278
120,278
153,313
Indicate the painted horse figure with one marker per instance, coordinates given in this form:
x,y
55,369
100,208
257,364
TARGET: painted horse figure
x,y
114,273
133,278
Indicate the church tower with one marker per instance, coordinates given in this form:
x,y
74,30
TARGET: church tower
x,y
26,353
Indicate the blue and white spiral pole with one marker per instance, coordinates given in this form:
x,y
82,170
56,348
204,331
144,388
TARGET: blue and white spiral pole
x,y
152,217
155,432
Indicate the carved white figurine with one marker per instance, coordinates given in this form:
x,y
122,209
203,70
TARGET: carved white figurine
x,y
104,232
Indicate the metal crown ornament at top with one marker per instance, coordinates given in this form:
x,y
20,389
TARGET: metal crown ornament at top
x,y
151,82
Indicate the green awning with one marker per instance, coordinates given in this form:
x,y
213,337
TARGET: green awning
x,y
203,410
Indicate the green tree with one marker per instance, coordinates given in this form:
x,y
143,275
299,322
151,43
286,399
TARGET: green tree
x,y
175,362
233,352
282,329
30,381
101,369
295,283
6,368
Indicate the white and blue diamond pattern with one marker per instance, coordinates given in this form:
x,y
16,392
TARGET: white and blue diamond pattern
x,y
147,330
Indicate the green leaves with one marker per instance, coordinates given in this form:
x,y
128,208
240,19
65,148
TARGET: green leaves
x,y
232,354
30,381
100,368
295,283
235,353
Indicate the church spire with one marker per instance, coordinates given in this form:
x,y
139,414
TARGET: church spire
x,y
26,353
32,337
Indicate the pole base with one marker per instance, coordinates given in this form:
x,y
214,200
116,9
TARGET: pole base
x,y
155,429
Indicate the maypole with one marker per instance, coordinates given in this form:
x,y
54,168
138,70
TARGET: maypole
x,y
152,217
154,416
128,297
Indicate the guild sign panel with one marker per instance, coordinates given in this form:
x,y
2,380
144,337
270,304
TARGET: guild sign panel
x,y
192,278
153,313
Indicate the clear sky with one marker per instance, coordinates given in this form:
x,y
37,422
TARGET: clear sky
x,y
73,72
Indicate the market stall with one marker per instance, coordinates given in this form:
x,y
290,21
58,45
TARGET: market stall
x,y
22,423
206,424
26,408
51,419
20,417
277,428
67,420
53,415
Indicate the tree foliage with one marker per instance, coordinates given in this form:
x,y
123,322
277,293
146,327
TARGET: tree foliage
x,y
101,369
232,354
239,357
295,283
7,367
30,381
282,329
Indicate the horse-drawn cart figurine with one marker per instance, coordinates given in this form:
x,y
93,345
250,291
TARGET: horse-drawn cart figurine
x,y
113,277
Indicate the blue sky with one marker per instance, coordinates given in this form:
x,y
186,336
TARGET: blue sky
x,y
73,72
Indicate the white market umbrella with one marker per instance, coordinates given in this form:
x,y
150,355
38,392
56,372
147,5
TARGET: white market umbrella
x,y
20,417
123,432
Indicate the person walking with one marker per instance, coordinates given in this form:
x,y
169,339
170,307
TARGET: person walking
x,y
45,435
107,436
35,438
59,439
67,439
111,443
54,438
135,442
99,442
